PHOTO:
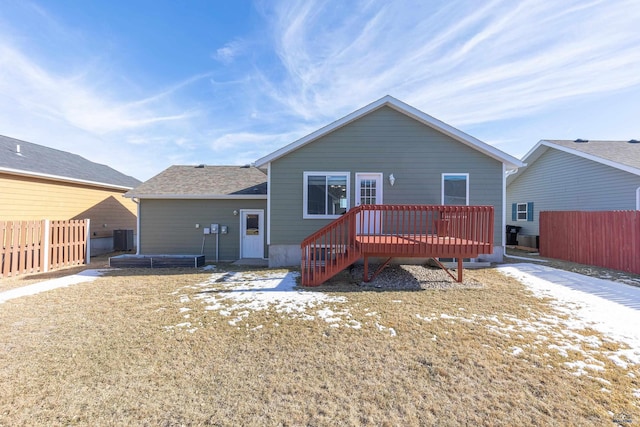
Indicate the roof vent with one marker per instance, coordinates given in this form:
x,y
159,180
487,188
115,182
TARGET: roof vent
x,y
200,167
245,167
18,151
633,141
581,140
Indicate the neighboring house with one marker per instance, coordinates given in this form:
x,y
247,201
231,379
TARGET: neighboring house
x,y
575,175
387,152
38,182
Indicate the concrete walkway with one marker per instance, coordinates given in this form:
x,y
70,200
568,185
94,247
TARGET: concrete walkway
x,y
620,293
609,307
47,285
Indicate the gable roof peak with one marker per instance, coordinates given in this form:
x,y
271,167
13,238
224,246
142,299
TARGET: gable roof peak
x,y
510,162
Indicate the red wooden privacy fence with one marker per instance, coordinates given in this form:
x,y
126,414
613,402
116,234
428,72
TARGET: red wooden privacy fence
x,y
609,239
39,246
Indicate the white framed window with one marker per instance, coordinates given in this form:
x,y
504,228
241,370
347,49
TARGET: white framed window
x,y
325,194
521,212
455,189
638,199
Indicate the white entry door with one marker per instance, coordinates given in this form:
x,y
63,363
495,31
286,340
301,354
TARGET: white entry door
x,y
252,233
369,192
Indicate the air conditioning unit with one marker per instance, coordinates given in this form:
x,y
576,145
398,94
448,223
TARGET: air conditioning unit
x,y
122,240
528,241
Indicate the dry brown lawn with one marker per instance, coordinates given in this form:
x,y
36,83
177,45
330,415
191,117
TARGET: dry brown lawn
x,y
163,347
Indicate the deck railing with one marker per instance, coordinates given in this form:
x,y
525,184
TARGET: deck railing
x,y
416,230
329,250
396,231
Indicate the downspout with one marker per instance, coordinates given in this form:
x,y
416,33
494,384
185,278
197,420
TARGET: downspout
x,y
137,202
269,204
504,210
504,218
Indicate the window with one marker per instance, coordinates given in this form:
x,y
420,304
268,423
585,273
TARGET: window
x,y
325,194
455,189
522,211
638,199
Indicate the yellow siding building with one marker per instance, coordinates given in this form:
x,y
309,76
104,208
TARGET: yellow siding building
x,y
38,182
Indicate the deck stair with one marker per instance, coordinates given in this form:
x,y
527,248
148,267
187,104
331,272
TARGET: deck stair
x,y
389,231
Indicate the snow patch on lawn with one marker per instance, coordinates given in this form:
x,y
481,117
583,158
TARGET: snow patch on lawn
x,y
588,302
237,295
241,293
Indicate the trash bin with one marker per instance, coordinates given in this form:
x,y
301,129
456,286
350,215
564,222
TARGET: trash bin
x,y
512,234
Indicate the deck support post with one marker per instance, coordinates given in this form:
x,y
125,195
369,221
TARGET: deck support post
x,y
460,270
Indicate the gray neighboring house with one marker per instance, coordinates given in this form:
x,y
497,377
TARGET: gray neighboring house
x,y
386,152
176,210
575,175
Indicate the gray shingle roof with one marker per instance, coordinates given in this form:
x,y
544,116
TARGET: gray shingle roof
x,y
623,152
203,181
40,160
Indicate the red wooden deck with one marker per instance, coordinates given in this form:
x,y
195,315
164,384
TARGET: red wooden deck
x,y
423,231
449,247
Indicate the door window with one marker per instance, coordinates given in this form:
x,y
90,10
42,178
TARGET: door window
x,y
252,225
368,192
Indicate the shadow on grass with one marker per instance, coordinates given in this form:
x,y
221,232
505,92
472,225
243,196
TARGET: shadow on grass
x,y
394,278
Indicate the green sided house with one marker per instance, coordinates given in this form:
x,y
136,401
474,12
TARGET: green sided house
x,y
215,211
386,153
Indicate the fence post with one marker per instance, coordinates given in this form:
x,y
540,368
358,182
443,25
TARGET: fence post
x,y
87,240
46,245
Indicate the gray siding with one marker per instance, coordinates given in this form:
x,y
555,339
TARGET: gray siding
x,y
383,141
169,226
559,181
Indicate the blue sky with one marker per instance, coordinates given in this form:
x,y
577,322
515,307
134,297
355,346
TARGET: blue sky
x,y
140,85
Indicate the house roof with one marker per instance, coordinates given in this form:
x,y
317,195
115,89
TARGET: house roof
x,y
28,159
204,182
623,155
389,101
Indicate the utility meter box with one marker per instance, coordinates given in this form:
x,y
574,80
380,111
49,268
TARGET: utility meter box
x,y
207,230
214,228
224,229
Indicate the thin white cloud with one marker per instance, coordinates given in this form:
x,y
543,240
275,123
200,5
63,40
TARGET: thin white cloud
x,y
228,53
489,62
76,101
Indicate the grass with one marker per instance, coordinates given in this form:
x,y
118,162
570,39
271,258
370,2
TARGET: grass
x,y
119,351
